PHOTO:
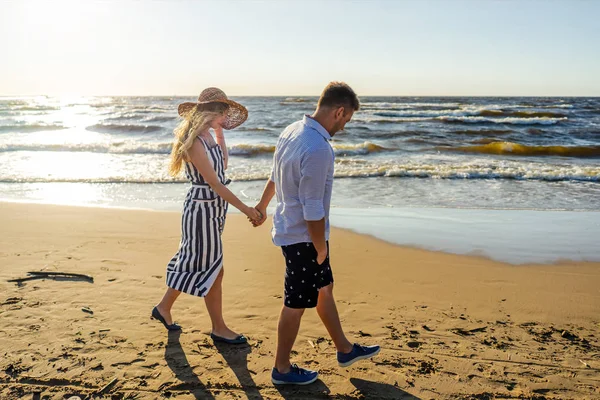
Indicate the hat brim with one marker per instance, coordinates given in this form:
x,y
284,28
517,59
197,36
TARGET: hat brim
x,y
236,113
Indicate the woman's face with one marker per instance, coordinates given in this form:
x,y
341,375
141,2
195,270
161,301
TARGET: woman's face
x,y
218,122
218,108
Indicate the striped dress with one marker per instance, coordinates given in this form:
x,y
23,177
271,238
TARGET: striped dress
x,y
199,259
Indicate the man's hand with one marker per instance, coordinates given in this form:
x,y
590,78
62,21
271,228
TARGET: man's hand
x,y
321,252
263,212
316,230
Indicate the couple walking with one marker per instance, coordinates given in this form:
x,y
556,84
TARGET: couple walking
x,y
301,180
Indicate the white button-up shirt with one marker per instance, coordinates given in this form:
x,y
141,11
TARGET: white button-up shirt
x,y
303,175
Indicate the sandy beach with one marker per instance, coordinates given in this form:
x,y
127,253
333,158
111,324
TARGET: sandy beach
x,y
451,326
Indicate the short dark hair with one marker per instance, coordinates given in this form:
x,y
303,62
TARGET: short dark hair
x,y
339,94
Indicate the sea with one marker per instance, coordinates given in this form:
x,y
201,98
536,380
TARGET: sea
x,y
400,159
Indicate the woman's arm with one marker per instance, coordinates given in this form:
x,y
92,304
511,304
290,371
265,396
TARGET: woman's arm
x,y
199,158
221,142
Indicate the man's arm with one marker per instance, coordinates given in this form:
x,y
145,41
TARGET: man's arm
x,y
268,193
314,169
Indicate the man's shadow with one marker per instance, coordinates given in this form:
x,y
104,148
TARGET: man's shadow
x,y
236,356
367,389
380,390
316,390
177,361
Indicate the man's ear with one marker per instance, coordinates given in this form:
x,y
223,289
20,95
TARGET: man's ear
x,y
340,112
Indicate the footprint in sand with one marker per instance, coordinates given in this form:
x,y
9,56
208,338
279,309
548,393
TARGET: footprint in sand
x,y
124,363
114,262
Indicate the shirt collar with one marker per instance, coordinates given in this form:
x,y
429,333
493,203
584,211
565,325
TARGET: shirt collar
x,y
312,123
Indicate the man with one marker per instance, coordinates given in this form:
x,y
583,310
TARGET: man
x,y
302,178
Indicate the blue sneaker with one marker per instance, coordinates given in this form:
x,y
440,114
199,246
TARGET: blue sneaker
x,y
296,376
358,353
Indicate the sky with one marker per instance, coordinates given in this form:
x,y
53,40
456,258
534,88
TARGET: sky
x,y
413,48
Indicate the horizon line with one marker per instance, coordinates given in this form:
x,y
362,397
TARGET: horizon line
x,y
288,95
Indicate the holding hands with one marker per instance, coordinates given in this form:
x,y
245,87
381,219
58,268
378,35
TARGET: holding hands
x,y
254,216
257,216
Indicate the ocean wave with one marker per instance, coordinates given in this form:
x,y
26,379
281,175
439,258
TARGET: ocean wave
x,y
484,141
521,114
349,170
136,147
298,100
117,147
430,141
388,120
111,104
475,173
425,113
250,149
386,135
468,171
535,131
359,149
161,119
31,128
467,112
483,132
35,108
339,149
462,119
257,129
558,106
136,117
124,128
516,149
12,102
405,105
122,117
130,180
507,120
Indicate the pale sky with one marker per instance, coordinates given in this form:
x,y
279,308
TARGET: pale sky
x,y
420,48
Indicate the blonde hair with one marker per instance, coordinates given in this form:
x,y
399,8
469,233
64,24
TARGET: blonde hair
x,y
194,121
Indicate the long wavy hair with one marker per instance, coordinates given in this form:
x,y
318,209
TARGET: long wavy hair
x,y
193,122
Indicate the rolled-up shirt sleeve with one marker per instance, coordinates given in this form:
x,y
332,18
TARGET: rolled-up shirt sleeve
x,y
272,176
314,169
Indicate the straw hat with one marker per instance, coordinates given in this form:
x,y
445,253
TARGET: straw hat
x,y
236,113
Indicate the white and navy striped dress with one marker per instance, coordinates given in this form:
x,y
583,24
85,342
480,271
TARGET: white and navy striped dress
x,y
199,259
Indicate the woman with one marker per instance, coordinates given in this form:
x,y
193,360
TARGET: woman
x,y
197,268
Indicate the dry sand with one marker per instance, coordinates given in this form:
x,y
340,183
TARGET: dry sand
x,y
451,326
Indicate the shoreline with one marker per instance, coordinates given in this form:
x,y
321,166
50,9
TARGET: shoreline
x,y
514,236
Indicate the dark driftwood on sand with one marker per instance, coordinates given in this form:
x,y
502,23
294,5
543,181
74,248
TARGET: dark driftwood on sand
x,y
107,387
53,275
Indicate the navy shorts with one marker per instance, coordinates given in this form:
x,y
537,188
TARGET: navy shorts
x,y
303,276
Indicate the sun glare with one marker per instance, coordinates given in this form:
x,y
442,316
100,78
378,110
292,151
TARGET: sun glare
x,y
54,16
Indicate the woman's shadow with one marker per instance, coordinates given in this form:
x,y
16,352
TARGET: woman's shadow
x,y
177,361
